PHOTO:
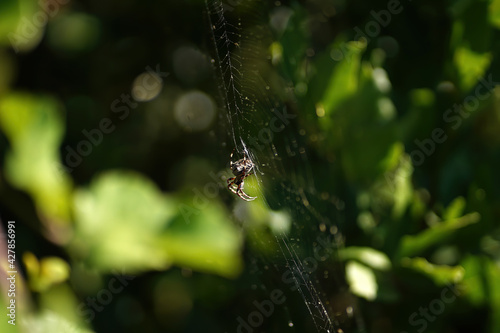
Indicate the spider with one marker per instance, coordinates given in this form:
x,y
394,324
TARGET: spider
x,y
242,168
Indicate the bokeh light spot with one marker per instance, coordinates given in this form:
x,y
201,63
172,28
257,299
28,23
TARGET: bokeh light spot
x,y
194,111
146,86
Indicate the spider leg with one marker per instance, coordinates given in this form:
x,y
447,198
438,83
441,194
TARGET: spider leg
x,y
232,188
230,184
243,195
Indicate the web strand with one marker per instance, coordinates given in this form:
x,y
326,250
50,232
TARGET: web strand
x,y
251,104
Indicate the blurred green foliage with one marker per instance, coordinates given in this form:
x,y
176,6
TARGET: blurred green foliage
x,y
394,127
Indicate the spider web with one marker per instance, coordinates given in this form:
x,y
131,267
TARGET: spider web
x,y
259,119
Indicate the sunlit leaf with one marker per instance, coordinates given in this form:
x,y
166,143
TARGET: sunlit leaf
x,y
205,241
403,189
361,280
45,273
394,188
480,285
13,317
471,66
368,256
416,244
34,128
474,280
49,321
20,28
119,221
61,301
54,270
455,209
440,274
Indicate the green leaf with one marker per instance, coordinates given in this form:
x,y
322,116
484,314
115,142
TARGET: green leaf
x,y
207,241
455,209
45,273
494,13
393,158
4,303
19,27
437,234
119,222
400,187
480,286
345,77
49,321
440,274
367,256
9,18
471,26
125,223
471,66
34,129
60,310
362,280
475,282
